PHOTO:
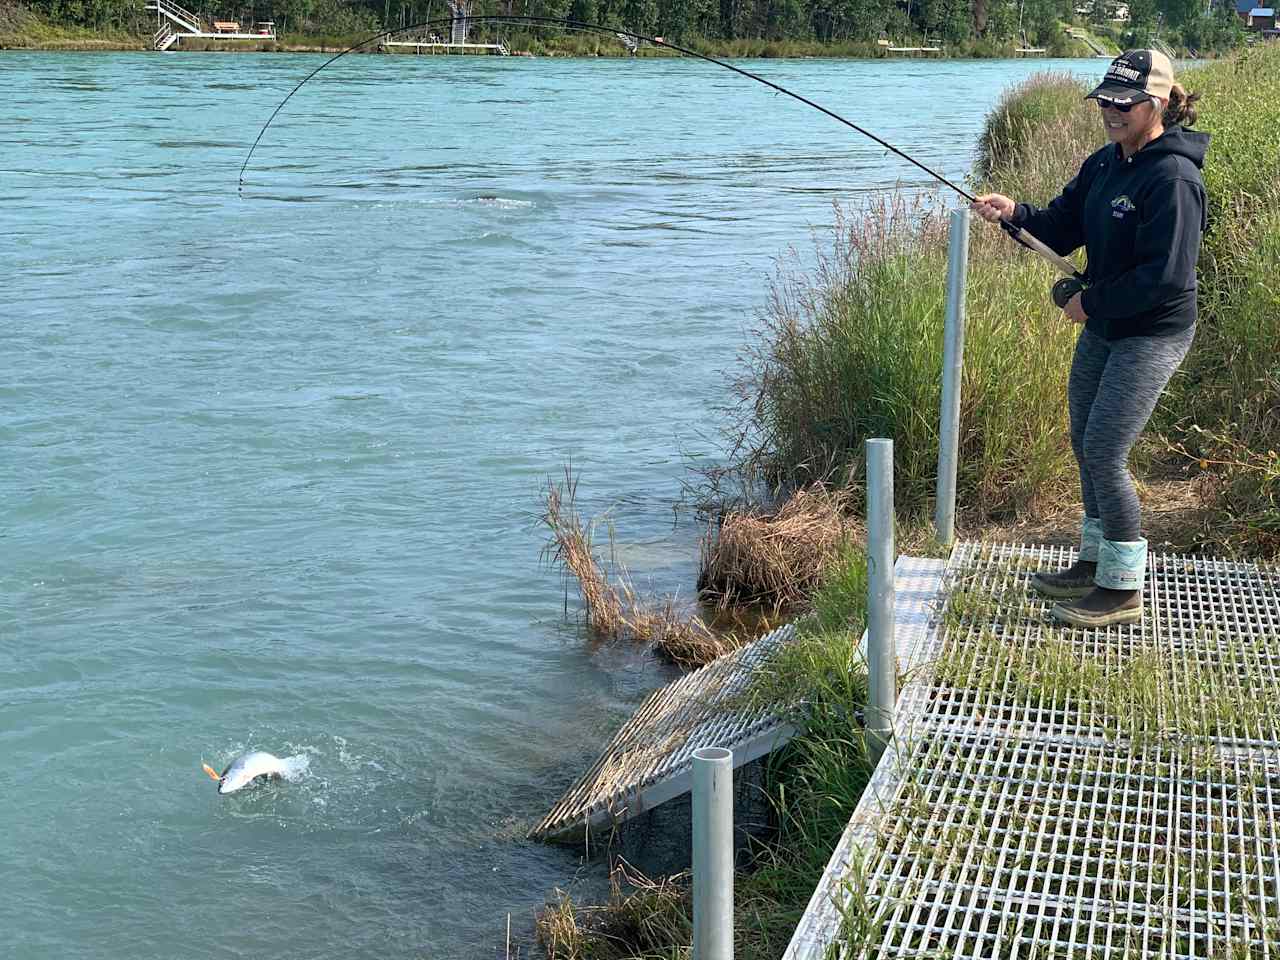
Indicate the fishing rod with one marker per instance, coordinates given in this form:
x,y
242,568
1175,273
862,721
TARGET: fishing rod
x,y
1073,280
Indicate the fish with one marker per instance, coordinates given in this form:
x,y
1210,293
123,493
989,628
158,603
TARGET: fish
x,y
247,768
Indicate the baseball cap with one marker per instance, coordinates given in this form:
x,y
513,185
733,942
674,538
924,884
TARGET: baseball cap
x,y
1135,75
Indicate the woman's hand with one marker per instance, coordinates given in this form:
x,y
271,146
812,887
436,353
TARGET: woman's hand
x,y
1075,310
993,207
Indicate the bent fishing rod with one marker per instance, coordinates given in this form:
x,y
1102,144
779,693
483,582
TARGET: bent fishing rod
x,y
1072,281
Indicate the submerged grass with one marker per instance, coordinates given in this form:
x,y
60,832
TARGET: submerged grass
x,y
613,610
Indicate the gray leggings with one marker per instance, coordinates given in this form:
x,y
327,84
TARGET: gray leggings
x,y
1113,388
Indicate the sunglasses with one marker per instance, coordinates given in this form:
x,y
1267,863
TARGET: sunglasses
x,y
1122,107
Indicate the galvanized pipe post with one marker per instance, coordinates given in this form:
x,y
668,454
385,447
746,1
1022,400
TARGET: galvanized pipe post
x,y
952,369
712,854
882,648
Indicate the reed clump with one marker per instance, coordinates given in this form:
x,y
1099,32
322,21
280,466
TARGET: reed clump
x,y
614,610
1030,117
775,558
1224,412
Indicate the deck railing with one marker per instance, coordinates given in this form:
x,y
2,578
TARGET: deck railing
x,y
179,15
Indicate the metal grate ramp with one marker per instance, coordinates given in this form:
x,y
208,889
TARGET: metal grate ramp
x,y
650,760
1073,794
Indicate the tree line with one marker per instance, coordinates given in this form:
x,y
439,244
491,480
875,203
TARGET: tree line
x,y
1037,22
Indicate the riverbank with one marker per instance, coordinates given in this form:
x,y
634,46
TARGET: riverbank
x,y
78,39
849,351
22,29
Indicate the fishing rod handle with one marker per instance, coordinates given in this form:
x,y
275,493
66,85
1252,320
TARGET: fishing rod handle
x,y
1065,289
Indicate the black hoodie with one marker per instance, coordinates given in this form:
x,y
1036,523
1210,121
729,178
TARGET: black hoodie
x,y
1140,221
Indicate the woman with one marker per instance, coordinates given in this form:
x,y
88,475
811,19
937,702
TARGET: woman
x,y
1138,208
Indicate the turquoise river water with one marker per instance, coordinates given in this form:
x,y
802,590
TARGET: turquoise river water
x,y
270,466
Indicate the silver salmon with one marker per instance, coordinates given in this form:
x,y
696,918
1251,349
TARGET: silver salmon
x,y
247,768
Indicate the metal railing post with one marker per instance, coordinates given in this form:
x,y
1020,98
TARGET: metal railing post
x,y
952,368
882,649
712,854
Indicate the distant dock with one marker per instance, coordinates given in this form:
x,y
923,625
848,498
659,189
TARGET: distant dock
x,y
176,23
442,47
888,47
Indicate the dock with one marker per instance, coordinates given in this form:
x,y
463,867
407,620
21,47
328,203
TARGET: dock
x,y
1057,792
1047,791
176,23
650,759
442,47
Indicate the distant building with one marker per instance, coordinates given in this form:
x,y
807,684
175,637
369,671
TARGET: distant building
x,y
1262,18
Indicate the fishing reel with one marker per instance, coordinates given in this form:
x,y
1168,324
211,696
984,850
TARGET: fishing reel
x,y
1065,289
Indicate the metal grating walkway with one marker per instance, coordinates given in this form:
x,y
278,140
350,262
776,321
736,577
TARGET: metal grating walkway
x,y
1073,794
650,760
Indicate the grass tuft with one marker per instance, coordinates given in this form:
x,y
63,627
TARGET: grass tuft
x,y
775,558
616,612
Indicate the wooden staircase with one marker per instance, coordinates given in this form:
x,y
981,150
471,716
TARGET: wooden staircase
x,y
174,22
1075,33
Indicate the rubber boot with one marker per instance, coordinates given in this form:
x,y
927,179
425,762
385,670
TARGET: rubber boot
x,y
1077,579
1117,595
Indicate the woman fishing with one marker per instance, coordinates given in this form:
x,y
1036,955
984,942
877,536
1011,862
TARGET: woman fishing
x,y
1138,208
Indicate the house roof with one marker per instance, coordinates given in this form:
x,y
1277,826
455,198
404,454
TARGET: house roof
x,y
1262,12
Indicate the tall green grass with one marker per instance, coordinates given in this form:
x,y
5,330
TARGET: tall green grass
x,y
1029,118
853,350
1228,405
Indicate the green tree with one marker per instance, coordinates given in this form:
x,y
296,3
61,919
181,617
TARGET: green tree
x,y
1002,21
1179,13
785,20
640,16
1142,20
957,21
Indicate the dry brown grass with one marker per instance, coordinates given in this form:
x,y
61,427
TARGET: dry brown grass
x,y
644,920
775,559
615,611
570,547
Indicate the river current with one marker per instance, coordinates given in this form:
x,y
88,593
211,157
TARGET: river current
x,y
271,465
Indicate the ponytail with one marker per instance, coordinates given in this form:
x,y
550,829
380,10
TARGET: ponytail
x,y
1182,107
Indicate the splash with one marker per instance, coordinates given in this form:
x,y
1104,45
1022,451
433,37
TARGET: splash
x,y
295,768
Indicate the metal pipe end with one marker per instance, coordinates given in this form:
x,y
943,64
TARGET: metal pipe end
x,y
713,755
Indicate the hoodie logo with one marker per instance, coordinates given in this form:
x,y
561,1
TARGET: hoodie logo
x,y
1122,205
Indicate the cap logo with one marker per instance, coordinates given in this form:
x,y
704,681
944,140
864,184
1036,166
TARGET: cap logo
x,y
1123,71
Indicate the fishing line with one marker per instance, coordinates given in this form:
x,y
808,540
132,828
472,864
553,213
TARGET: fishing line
x,y
1017,233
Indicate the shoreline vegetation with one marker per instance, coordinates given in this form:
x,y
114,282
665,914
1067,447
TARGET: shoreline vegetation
x,y
745,29
851,349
